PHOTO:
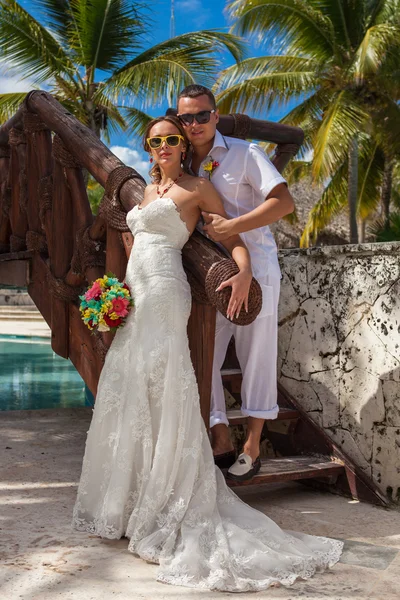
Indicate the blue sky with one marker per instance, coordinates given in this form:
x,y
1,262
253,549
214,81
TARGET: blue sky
x,y
190,15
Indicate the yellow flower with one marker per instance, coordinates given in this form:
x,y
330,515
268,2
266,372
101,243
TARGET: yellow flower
x,y
208,167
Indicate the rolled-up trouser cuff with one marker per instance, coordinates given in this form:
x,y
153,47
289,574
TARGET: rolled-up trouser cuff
x,y
218,417
272,413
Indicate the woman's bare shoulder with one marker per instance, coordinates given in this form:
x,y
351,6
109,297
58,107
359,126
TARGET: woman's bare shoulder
x,y
149,188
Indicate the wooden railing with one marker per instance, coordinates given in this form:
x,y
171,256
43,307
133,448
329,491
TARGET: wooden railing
x,y
46,220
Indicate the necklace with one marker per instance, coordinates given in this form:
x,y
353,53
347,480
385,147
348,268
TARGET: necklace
x,y
165,190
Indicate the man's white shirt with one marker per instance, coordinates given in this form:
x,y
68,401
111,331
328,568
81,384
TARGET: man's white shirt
x,y
244,178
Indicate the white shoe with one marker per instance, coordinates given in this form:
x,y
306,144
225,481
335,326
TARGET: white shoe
x,y
244,468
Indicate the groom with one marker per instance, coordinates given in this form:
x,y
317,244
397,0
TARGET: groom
x,y
254,195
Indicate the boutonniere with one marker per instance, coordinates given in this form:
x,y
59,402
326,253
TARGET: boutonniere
x,y
210,167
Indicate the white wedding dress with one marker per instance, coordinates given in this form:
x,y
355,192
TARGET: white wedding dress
x,y
148,470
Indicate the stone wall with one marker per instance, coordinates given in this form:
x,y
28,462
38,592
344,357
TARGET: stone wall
x,y
339,349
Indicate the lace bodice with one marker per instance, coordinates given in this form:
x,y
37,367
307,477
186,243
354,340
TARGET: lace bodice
x,y
158,222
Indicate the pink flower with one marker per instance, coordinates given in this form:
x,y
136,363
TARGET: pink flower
x,y
94,293
120,306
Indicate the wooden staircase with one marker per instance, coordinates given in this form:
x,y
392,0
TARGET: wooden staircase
x,y
301,450
51,243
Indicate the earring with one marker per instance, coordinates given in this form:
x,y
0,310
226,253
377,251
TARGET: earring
x,y
183,155
151,159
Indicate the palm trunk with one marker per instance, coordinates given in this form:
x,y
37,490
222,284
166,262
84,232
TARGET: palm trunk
x,y
386,192
353,189
363,227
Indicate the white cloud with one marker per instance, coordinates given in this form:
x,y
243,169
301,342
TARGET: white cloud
x,y
11,85
192,10
12,82
133,159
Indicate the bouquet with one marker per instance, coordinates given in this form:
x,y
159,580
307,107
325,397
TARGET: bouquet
x,y
106,304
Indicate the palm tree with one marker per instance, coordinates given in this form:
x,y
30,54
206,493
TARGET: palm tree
x,y
94,58
339,60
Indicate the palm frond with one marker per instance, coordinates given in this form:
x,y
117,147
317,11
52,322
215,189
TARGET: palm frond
x,y
265,91
30,46
384,11
303,29
105,33
341,121
384,233
370,174
136,120
297,170
161,71
386,122
59,15
331,203
378,42
256,83
9,104
349,19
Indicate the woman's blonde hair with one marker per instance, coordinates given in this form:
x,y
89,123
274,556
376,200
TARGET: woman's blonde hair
x,y
155,172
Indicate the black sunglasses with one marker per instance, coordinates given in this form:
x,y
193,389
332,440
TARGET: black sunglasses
x,y
201,117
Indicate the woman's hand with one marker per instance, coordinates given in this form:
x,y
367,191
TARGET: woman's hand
x,y
240,285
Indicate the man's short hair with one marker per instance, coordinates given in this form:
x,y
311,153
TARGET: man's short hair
x,y
194,90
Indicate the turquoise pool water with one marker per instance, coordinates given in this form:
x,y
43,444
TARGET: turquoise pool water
x,y
32,376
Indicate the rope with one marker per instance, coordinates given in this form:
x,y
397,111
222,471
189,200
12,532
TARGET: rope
x,y
88,253
62,155
17,244
16,137
61,290
36,242
111,208
286,149
221,271
33,123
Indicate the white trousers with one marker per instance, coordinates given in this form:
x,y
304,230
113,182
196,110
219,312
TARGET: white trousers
x,y
256,350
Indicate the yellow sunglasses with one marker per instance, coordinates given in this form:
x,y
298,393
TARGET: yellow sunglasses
x,y
171,140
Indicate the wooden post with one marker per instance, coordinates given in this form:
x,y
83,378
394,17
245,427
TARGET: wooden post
x,y
39,166
201,333
60,251
115,254
17,183
5,227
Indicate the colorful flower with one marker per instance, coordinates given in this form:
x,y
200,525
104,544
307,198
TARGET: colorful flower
x,y
106,304
94,292
120,306
112,322
210,167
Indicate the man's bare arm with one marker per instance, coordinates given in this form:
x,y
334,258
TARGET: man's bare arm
x,y
278,204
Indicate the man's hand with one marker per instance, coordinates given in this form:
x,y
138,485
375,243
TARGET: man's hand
x,y
240,285
216,227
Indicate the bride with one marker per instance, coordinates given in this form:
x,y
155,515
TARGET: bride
x,y
148,471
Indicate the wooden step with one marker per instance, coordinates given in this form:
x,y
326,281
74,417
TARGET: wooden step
x,y
14,268
292,468
235,417
231,375
23,255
